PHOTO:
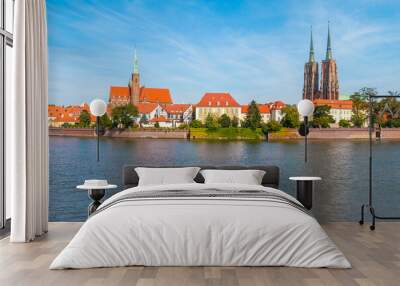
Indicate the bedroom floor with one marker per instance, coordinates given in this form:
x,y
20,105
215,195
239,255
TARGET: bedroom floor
x,y
375,257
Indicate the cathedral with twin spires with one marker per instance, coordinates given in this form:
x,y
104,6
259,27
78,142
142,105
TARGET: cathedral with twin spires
x,y
329,86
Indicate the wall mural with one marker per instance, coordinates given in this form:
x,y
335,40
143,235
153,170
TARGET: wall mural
x,y
199,83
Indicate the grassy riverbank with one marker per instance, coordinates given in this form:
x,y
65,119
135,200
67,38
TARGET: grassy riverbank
x,y
230,133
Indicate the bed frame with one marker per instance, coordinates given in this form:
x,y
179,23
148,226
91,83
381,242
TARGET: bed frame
x,y
271,178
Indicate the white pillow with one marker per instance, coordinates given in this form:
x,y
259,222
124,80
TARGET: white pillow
x,y
166,176
248,177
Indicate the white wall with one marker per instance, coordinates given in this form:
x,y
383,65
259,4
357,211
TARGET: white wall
x,y
339,114
276,114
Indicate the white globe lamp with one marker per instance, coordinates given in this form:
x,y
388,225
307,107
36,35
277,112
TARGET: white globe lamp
x,y
98,108
305,108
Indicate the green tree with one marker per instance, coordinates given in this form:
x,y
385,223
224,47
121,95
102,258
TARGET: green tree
x,y
235,121
157,125
264,129
84,119
105,121
344,123
211,122
395,106
196,124
67,125
396,122
360,106
183,126
272,126
387,110
123,116
253,116
322,117
224,121
290,117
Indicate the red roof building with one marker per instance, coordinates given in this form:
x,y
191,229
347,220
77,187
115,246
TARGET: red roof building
x,y
177,108
179,113
340,109
54,111
263,108
135,93
146,108
277,105
119,96
217,104
155,95
276,110
217,99
119,91
334,104
58,115
159,119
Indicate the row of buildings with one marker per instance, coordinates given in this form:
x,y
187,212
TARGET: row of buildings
x,y
173,114
155,105
60,115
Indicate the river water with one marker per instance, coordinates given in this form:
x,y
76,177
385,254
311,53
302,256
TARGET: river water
x,y
342,164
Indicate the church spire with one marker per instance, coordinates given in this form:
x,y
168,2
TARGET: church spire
x,y
329,48
311,58
134,82
135,64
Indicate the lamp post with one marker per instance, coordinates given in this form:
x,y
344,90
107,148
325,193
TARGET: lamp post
x,y
305,108
98,108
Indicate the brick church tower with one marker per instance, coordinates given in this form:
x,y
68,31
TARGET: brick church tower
x,y
134,83
135,93
329,78
310,89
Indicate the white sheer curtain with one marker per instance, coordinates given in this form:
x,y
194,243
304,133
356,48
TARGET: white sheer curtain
x,y
27,152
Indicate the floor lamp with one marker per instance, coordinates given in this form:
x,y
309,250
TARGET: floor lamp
x,y
369,205
305,108
98,108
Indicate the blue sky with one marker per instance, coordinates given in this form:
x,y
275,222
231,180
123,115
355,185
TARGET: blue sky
x,y
252,49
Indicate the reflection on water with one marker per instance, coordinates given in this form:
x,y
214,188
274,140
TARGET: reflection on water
x,y
343,165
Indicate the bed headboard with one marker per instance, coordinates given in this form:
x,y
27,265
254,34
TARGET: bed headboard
x,y
271,178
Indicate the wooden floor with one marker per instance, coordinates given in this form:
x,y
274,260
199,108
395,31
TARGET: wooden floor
x,y
375,257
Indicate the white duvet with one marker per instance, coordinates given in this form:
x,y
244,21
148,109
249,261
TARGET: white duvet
x,y
194,231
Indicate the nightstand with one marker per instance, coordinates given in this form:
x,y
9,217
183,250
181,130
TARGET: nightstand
x,y
304,192
96,190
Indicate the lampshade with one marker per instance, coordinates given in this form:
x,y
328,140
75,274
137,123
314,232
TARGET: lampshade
x,y
98,107
305,107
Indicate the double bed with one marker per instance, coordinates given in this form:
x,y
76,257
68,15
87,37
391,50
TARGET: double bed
x,y
201,224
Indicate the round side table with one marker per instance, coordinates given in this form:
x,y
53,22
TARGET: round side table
x,y
304,192
96,193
